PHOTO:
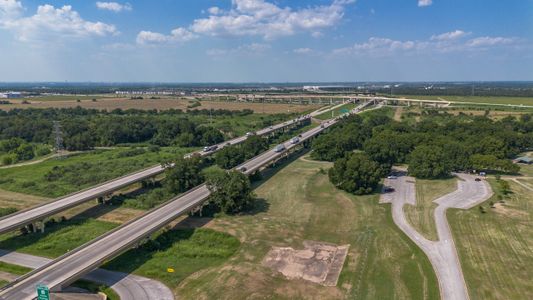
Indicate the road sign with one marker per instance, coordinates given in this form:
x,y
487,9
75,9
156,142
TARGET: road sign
x,y
43,293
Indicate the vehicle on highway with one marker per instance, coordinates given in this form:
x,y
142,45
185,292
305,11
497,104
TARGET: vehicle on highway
x,y
210,148
322,126
242,169
392,177
250,133
295,140
477,179
280,148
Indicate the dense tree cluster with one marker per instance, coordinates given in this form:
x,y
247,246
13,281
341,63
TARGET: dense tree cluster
x,y
231,156
434,147
15,149
86,128
231,191
356,173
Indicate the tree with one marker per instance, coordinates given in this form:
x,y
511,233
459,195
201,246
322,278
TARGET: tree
x,y
229,157
183,175
491,162
428,162
356,173
24,152
231,191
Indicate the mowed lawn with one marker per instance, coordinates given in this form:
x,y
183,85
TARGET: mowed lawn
x,y
421,216
297,204
496,248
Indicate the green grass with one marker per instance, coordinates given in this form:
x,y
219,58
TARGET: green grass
x,y
13,269
495,248
299,203
81,171
186,251
57,239
336,112
421,215
96,287
476,99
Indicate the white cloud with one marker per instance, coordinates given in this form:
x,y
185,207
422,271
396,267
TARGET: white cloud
x,y
10,9
247,49
303,50
445,42
214,10
178,35
490,41
55,22
423,3
452,35
262,18
113,6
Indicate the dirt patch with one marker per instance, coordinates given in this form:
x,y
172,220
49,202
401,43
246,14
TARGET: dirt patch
x,y
20,201
503,209
318,262
163,104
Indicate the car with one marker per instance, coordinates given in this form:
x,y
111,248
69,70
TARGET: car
x,y
322,126
295,140
250,133
299,135
279,148
242,169
392,177
207,149
477,179
388,189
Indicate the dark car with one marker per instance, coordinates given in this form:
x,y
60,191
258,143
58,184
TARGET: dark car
x,y
388,189
477,179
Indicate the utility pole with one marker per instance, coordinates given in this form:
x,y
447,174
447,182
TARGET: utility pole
x,y
58,136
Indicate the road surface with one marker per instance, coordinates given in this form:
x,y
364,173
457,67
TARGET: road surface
x,y
127,286
40,212
74,264
442,253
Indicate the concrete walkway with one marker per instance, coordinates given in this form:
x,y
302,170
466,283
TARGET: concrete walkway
x,y
127,286
442,253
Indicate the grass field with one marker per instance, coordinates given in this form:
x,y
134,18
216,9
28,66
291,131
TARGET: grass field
x,y
13,269
336,112
149,104
421,215
475,99
79,171
57,239
298,204
496,248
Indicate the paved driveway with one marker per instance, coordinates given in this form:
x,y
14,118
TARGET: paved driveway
x,y
442,253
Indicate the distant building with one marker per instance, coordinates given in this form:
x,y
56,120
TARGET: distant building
x,y
524,160
10,95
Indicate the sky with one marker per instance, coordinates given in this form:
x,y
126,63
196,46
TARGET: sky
x,y
266,40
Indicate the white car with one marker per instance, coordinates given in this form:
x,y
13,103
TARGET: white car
x,y
392,177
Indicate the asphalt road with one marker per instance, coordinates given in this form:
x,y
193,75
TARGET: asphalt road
x,y
25,217
127,286
442,253
65,269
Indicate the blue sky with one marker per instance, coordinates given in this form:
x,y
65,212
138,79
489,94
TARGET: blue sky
x,y
266,40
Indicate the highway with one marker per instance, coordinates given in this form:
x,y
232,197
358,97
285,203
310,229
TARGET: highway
x,y
66,269
40,212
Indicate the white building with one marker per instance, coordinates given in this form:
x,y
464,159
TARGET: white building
x,y
11,95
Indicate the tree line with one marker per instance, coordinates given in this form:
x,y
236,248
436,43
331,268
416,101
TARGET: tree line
x,y
433,147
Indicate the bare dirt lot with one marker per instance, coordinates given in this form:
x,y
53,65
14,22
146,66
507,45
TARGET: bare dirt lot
x,y
317,262
159,104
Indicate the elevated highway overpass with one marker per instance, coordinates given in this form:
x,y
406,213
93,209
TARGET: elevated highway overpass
x,y
71,266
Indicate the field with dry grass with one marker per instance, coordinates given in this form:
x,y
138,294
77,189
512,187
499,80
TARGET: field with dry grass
x,y
421,215
496,247
300,204
107,103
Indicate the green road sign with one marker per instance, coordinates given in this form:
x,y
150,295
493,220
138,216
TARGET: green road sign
x,y
43,293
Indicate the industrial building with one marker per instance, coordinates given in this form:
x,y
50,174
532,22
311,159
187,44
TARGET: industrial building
x,y
10,95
